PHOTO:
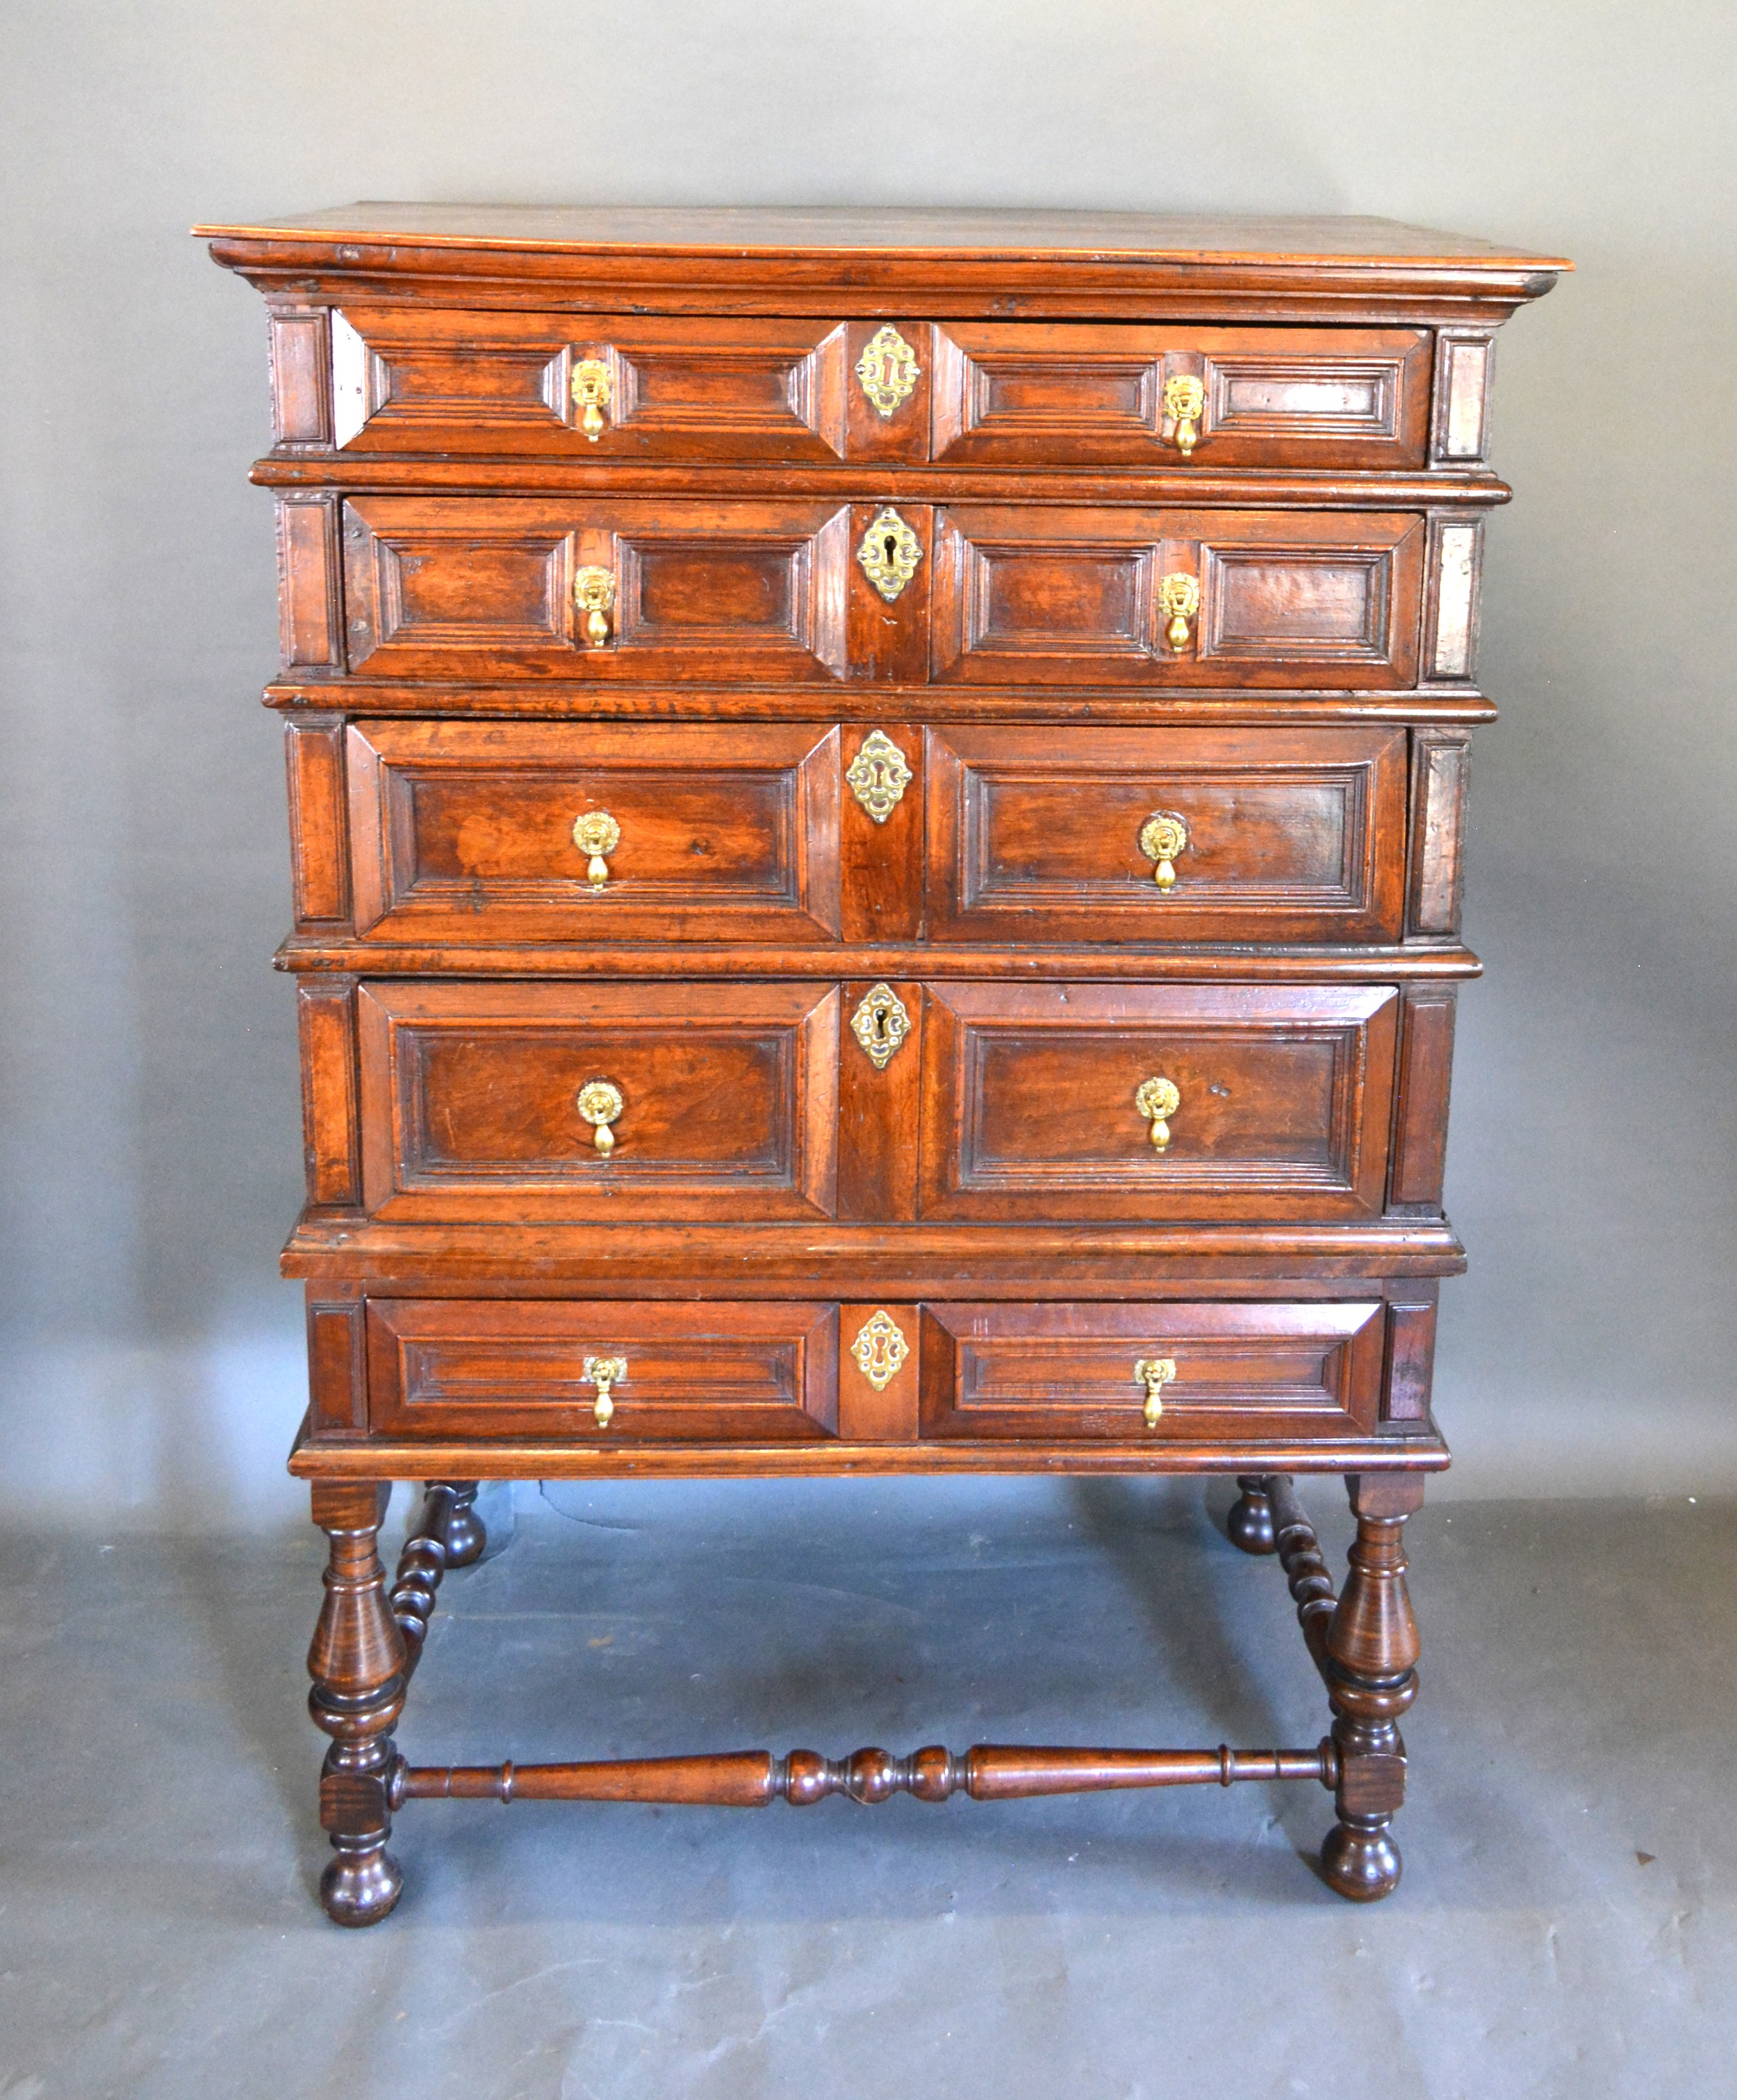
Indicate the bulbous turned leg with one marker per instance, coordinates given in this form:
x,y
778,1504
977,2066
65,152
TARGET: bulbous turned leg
x,y
1249,1524
460,1529
1372,1646
357,1664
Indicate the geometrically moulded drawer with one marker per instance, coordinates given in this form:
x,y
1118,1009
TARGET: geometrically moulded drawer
x,y
1014,1104
779,1373
739,591
466,831
1021,394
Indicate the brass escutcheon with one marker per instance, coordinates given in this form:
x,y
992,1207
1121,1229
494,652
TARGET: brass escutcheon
x,y
597,833
1179,601
888,369
880,1349
880,1024
1185,402
879,775
1162,837
604,1372
592,390
600,1104
889,553
1155,1373
594,593
1157,1100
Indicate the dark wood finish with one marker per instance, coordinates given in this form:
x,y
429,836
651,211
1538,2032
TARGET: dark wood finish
x,y
454,703
468,1102
465,831
1034,834
1029,1105
754,1779
1243,1371
358,1663
751,1373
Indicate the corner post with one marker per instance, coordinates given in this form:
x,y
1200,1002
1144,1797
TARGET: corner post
x,y
1372,1647
357,1661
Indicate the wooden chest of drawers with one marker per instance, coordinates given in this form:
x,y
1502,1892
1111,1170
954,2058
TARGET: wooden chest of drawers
x,y
877,804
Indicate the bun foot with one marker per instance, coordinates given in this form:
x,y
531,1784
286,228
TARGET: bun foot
x,y
361,1888
1362,1865
462,1531
1249,1525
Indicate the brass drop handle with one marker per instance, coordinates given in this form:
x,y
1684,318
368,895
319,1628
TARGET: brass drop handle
x,y
1155,1373
599,1103
597,833
604,1372
1185,402
1179,601
592,390
594,593
1162,837
1158,1100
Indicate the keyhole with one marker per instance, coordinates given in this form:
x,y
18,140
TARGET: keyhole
x,y
880,1027
891,545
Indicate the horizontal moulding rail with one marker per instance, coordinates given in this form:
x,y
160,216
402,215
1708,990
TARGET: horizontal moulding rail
x,y
754,1779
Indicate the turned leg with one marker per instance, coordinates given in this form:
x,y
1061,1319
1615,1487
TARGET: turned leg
x,y
357,1662
445,1533
460,1530
1371,1647
1250,1523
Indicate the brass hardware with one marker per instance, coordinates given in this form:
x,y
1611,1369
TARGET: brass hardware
x,y
603,1372
879,1350
599,1103
1162,837
594,593
1185,402
597,833
880,1024
592,390
1179,601
1155,1373
879,775
890,554
888,369
1157,1100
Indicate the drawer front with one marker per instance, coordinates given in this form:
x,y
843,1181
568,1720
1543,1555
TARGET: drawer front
x,y
1012,393
628,589
465,832
743,1374
1028,1373
1078,597
1033,1102
1061,835
597,387
724,1101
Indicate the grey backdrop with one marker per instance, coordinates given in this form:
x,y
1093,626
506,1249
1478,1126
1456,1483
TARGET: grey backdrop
x,y
151,1369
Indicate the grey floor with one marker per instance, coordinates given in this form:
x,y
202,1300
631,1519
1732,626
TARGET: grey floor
x,y
1566,1926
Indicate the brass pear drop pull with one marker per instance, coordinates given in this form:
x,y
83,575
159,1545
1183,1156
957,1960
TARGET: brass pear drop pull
x,y
1155,1373
1162,837
1185,402
604,1372
593,390
594,593
1157,1100
599,1103
1179,601
597,833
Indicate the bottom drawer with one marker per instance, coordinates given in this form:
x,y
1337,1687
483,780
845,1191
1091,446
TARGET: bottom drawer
x,y
737,1373
1145,1373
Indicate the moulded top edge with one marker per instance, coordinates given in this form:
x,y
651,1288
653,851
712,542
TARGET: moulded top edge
x,y
1084,236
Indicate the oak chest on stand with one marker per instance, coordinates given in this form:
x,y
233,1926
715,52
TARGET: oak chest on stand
x,y
877,806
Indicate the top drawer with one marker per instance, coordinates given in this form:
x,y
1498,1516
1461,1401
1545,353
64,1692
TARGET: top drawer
x,y
684,388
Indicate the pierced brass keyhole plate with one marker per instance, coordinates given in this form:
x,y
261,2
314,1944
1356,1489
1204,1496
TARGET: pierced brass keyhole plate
x,y
880,1024
881,1350
879,775
888,370
889,553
